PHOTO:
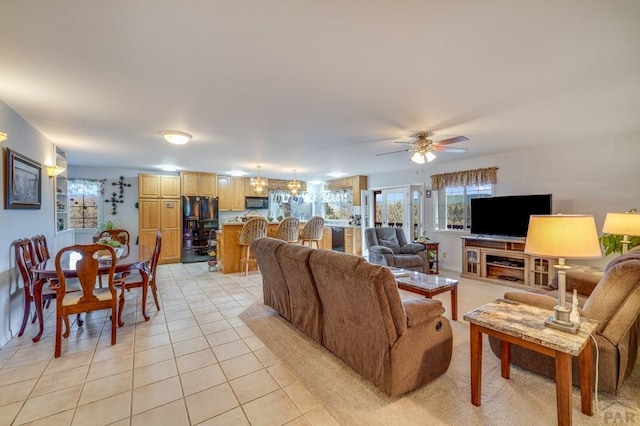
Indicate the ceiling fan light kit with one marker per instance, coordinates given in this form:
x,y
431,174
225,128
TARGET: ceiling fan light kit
x,y
423,148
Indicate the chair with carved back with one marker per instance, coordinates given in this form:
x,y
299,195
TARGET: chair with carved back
x,y
128,285
120,235
42,254
288,230
25,258
40,247
256,227
312,231
89,298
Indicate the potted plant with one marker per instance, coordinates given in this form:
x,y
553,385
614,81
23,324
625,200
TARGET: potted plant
x,y
613,243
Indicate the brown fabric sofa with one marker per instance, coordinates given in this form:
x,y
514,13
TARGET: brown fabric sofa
x,y
615,302
353,308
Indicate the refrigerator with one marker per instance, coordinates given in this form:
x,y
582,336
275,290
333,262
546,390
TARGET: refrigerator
x,y
199,226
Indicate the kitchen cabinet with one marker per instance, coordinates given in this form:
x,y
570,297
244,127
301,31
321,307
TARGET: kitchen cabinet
x,y
161,214
230,193
354,183
158,186
283,185
352,240
326,238
198,184
159,210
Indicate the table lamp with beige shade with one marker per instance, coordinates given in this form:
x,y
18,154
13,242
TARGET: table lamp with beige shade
x,y
625,224
562,237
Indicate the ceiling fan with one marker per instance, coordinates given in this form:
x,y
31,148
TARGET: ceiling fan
x,y
423,148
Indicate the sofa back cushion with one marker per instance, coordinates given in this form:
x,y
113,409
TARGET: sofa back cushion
x,y
362,312
615,301
274,286
306,311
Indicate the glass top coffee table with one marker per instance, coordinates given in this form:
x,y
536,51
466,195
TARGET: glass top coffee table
x,y
427,285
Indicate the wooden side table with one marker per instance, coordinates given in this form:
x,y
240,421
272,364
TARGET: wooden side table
x,y
523,325
433,264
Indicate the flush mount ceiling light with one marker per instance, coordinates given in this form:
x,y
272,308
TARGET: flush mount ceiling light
x,y
175,137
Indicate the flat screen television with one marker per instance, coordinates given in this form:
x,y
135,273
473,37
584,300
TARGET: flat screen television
x,y
508,216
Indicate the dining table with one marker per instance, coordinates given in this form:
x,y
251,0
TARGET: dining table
x,y
134,258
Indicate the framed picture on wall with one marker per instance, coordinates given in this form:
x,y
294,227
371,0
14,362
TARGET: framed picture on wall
x,y
22,181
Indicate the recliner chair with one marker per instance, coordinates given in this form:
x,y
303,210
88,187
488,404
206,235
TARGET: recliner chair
x,y
389,247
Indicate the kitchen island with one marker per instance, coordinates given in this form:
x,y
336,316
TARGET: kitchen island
x,y
229,250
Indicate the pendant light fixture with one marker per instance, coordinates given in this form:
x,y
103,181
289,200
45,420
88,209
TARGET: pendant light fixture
x,y
294,185
259,183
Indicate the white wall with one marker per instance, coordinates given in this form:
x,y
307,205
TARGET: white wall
x,y
586,178
15,224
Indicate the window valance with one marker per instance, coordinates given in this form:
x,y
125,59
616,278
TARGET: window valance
x,y
464,178
89,187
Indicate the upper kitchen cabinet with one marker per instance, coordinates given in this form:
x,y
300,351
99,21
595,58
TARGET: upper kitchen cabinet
x,y
199,184
158,186
231,193
355,183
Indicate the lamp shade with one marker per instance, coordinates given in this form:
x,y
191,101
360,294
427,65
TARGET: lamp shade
x,y
622,224
563,236
53,171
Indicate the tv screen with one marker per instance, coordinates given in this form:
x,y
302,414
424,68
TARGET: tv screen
x,y
507,216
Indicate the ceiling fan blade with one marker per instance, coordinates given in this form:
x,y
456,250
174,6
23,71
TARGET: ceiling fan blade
x,y
451,140
394,152
410,143
445,149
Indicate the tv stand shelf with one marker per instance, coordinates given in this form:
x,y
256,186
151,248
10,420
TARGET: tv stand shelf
x,y
502,260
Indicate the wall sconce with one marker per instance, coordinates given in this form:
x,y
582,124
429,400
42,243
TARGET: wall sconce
x,y
53,171
3,136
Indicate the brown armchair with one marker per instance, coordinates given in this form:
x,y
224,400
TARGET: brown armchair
x,y
389,247
615,303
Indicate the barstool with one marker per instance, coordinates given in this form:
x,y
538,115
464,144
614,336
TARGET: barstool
x,y
288,230
255,227
312,231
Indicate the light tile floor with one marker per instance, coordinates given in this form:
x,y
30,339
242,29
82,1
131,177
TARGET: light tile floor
x,y
194,362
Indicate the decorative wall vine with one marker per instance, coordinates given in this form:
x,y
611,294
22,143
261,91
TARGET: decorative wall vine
x,y
117,197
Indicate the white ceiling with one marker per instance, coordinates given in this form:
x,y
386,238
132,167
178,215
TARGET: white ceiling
x,y
317,86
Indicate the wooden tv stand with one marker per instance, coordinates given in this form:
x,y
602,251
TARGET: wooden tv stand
x,y
502,260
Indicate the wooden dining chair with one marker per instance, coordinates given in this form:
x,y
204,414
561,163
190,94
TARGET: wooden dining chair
x,y
121,235
90,298
40,247
25,259
127,285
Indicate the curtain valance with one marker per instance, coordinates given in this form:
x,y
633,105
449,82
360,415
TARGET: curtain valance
x,y
88,187
464,178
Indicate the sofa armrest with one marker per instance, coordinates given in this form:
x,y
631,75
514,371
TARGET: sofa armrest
x,y
380,250
534,299
421,310
412,248
583,282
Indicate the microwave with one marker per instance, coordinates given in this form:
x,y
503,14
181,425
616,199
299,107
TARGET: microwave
x,y
257,203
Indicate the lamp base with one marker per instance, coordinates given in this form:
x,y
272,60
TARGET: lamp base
x,y
569,327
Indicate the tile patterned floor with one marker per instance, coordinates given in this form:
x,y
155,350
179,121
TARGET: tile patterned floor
x,y
193,363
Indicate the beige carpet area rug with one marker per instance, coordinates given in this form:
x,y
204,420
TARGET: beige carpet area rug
x,y
525,399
